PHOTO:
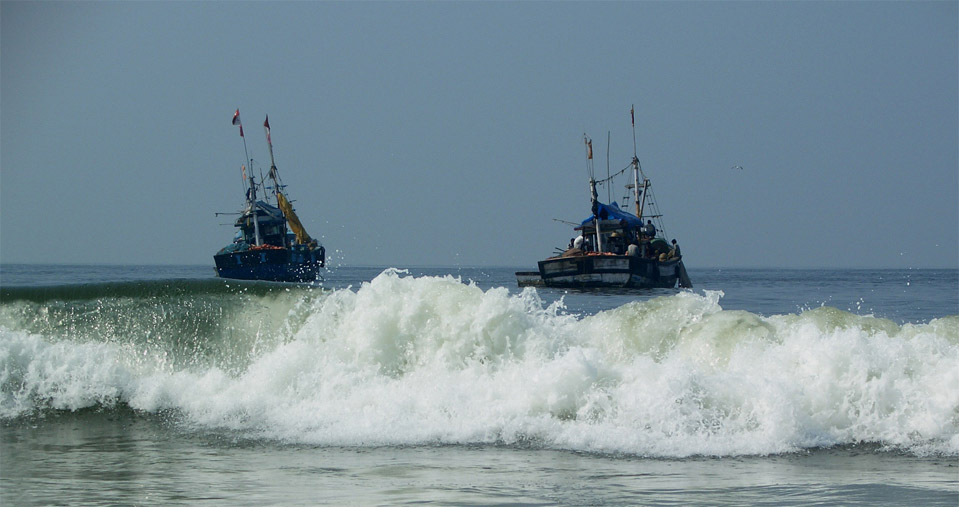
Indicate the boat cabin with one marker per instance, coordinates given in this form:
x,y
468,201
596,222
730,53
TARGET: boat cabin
x,y
272,226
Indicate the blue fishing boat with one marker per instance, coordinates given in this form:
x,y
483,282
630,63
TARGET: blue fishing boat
x,y
612,247
270,242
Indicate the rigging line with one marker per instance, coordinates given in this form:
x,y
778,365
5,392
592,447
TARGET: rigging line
x,y
657,214
613,176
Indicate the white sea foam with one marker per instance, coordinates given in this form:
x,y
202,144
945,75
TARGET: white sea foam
x,y
406,360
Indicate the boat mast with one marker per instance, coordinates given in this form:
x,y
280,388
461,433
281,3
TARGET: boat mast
x,y
275,176
594,199
636,201
251,194
609,180
251,199
269,142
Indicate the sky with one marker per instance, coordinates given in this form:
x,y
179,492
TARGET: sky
x,y
451,133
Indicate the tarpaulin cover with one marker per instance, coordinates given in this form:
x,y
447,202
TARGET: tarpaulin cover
x,y
611,211
302,237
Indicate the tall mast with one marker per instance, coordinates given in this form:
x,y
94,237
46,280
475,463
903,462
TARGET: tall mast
x,y
251,194
238,123
269,142
594,199
639,206
251,199
609,182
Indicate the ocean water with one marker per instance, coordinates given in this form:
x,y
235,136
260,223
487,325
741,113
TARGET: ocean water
x,y
140,385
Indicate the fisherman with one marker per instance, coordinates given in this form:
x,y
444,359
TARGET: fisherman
x,y
578,242
615,243
650,229
633,249
674,252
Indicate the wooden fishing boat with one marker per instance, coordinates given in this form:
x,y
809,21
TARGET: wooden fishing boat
x,y
270,242
614,248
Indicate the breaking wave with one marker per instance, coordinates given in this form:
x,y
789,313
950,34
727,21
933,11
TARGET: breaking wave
x,y
405,360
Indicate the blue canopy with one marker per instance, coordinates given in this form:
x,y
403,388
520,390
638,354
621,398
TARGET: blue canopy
x,y
611,211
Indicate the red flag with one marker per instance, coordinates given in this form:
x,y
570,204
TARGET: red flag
x,y
266,125
589,150
236,121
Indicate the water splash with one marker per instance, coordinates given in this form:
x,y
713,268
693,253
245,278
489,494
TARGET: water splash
x,y
410,360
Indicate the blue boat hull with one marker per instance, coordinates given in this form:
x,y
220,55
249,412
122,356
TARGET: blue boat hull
x,y
280,265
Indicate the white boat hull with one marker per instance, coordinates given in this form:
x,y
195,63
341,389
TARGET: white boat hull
x,y
603,271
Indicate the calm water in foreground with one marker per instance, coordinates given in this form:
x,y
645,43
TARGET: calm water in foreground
x,y
164,385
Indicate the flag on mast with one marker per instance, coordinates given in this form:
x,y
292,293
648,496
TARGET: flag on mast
x,y
236,121
269,143
632,115
266,125
589,149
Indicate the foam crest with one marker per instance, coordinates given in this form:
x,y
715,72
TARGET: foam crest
x,y
61,376
405,360
396,324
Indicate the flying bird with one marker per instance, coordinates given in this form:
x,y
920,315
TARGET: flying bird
x,y
737,167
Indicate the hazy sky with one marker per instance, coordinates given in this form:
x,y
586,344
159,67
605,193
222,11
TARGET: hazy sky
x,y
450,133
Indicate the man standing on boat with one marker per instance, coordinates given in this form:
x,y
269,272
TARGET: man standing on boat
x,y
650,229
674,252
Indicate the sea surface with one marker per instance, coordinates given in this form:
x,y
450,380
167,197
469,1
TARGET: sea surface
x,y
143,385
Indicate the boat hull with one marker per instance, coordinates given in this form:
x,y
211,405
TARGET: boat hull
x,y
279,265
604,271
528,278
